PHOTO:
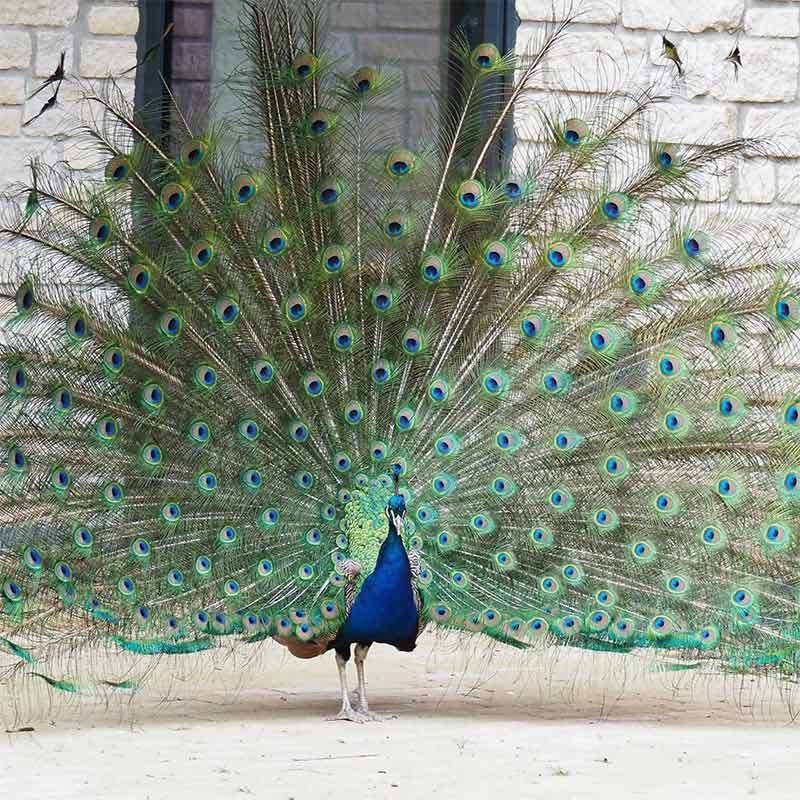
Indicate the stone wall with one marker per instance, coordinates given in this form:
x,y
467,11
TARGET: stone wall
x,y
618,39
98,37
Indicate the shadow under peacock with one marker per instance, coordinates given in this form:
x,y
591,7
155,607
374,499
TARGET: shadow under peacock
x,y
341,389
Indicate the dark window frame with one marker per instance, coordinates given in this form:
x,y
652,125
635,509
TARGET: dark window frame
x,y
482,20
154,16
494,21
184,60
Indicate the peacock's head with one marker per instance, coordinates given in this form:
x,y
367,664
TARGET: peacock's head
x,y
396,508
397,505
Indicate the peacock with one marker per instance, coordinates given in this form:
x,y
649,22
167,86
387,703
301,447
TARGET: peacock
x,y
334,389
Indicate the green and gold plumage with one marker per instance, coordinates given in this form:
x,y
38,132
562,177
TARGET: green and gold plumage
x,y
214,361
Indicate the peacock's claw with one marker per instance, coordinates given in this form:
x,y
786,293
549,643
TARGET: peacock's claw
x,y
349,715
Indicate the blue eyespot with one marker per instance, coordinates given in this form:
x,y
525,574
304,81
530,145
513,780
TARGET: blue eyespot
x,y
381,371
141,548
252,479
394,226
555,257
175,578
33,558
245,192
18,459
611,209
710,535
61,479
382,298
692,247
672,421
328,196
263,371
726,407
296,310
208,481
202,565
199,432
405,419
113,359
205,376
494,258
555,382
354,413
19,378
303,479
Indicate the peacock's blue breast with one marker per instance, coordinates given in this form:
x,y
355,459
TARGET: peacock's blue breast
x,y
384,610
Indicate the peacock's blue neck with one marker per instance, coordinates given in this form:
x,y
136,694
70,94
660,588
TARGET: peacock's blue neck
x,y
392,554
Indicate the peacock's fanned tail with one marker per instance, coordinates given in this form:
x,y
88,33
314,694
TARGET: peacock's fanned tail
x,y
214,362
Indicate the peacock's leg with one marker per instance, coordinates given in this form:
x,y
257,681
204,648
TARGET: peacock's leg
x,y
347,711
361,699
361,693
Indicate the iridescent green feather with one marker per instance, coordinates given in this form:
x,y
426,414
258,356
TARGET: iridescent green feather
x,y
588,393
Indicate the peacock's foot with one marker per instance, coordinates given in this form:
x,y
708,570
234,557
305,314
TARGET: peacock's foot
x,y
362,708
349,714
371,716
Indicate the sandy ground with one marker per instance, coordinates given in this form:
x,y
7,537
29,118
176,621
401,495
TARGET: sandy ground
x,y
472,722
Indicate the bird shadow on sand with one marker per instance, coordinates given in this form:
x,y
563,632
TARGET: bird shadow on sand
x,y
276,710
